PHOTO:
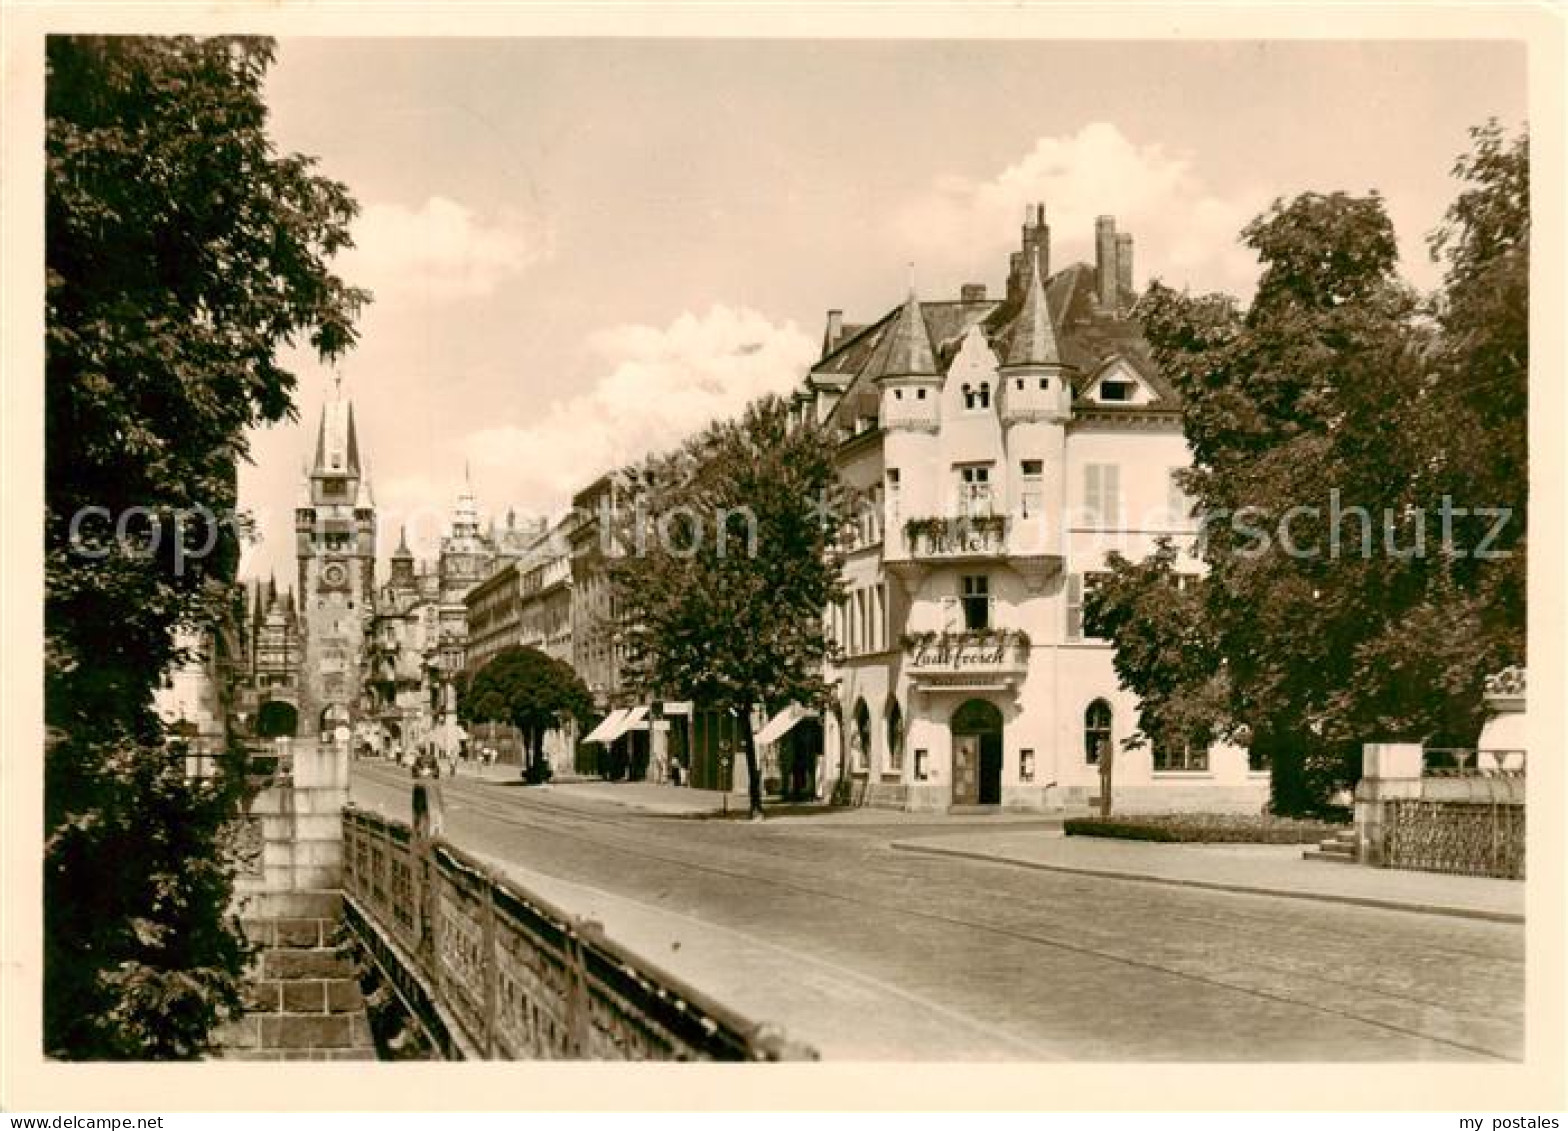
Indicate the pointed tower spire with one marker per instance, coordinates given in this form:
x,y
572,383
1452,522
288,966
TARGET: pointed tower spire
x,y
909,352
1033,338
337,442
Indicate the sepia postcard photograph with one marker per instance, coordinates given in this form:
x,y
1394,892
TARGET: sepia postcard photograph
x,y
1007,559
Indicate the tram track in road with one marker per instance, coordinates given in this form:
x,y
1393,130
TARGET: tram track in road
x,y
777,867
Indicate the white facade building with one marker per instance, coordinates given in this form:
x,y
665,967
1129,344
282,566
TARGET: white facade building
x,y
1003,449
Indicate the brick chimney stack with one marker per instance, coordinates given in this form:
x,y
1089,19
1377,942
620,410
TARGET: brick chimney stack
x,y
835,331
1124,263
1105,260
1037,243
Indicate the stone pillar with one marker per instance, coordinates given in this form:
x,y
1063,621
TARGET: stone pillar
x,y
1390,771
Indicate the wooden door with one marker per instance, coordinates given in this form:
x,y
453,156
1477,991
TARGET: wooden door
x,y
966,769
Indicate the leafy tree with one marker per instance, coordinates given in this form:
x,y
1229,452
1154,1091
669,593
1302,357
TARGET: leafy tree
x,y
1340,410
534,692
726,566
181,252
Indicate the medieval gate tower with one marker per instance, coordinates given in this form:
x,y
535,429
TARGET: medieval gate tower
x,y
335,535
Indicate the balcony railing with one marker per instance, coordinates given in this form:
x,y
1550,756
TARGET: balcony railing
x,y
959,536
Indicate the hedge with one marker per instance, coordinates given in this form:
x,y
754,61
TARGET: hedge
x,y
1203,828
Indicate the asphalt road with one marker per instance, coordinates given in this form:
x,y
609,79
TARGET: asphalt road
x,y
868,953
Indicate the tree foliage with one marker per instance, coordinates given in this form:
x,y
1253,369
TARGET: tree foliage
x,y
531,691
726,564
1343,602
181,252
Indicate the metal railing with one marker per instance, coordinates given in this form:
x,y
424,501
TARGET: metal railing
x,y
495,972
1465,838
1438,761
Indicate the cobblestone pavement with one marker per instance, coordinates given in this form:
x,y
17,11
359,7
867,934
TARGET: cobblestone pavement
x,y
872,953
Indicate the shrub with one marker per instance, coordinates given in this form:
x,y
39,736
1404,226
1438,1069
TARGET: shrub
x,y
1203,828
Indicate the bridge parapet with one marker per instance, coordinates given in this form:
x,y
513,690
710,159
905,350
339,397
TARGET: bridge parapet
x,y
493,971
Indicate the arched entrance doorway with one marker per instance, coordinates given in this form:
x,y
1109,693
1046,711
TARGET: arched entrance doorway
x,y
334,722
277,718
977,753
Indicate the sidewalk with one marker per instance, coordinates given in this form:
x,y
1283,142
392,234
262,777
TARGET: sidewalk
x,y
684,801
1256,869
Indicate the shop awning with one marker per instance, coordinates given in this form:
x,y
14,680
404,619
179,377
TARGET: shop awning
x,y
633,718
605,725
779,725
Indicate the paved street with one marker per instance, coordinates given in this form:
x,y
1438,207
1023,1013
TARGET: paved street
x,y
865,951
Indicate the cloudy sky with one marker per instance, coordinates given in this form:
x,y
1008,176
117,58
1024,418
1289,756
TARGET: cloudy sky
x,y
584,249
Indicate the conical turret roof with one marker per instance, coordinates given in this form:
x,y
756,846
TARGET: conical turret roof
x,y
1032,340
909,352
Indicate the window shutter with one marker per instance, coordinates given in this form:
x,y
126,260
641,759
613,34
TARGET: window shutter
x,y
1092,499
1074,607
1110,490
949,614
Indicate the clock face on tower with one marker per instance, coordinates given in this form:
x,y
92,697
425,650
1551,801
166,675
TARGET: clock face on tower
x,y
334,575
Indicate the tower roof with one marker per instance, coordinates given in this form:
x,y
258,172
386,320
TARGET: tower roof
x,y
1033,337
402,550
908,352
337,445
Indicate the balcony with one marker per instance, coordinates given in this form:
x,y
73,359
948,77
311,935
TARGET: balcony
x,y
956,538
985,659
974,538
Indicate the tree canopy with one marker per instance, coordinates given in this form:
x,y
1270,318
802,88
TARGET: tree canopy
x,y
1344,600
531,691
181,252
726,564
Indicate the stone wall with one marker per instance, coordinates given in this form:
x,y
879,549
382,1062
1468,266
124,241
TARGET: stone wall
x,y
303,1001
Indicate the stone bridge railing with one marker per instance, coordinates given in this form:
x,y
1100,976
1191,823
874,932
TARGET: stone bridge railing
x,y
492,971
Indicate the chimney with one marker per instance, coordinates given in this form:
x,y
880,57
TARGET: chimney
x,y
972,292
1015,276
1105,260
1124,263
835,330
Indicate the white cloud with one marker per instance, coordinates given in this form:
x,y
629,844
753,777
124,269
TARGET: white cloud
x,y
660,385
440,251
1184,230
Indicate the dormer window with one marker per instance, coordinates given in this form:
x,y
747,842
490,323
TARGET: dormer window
x,y
1116,390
